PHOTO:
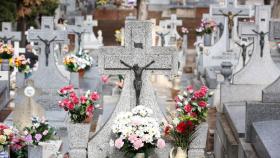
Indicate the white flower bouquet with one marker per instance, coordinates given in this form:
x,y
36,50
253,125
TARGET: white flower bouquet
x,y
137,132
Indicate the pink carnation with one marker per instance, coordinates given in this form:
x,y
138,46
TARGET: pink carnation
x,y
119,143
160,143
138,144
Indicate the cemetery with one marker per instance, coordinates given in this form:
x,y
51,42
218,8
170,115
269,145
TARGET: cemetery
x,y
140,79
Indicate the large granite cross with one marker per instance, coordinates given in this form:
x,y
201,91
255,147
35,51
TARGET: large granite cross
x,y
230,6
79,29
138,50
7,34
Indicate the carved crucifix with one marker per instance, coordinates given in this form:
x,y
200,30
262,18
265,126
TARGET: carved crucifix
x,y
244,51
162,37
7,34
137,83
262,39
47,47
230,15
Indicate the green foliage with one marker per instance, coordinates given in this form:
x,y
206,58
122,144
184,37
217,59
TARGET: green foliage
x,y
8,10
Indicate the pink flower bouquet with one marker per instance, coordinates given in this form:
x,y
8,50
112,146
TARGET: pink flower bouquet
x,y
137,132
80,108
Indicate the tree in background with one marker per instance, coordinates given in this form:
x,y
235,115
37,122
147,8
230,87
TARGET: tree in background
x,y
142,9
8,10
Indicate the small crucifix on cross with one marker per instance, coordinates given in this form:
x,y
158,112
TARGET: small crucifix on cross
x,y
47,47
262,42
230,17
162,35
137,83
6,39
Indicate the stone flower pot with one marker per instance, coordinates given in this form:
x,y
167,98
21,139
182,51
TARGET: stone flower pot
x,y
78,135
178,153
226,70
207,39
50,148
35,151
5,65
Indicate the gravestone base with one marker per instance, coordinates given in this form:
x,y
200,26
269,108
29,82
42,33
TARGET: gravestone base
x,y
197,147
78,153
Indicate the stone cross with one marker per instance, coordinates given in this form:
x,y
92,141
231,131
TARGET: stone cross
x,y
172,25
47,36
90,22
230,6
79,29
89,39
7,34
47,32
138,50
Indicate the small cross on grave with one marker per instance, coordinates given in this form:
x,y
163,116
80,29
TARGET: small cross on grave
x,y
89,39
137,53
90,22
47,37
7,34
230,11
172,25
79,29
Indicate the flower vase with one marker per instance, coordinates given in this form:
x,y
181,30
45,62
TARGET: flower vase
x,y
198,38
82,73
50,148
140,155
78,135
207,39
5,152
74,79
35,151
180,153
226,71
5,66
20,79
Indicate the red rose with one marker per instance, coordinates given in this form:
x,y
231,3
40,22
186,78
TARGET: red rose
x,y
196,94
83,99
190,89
89,111
188,108
201,94
204,89
181,127
189,124
167,129
94,96
202,104
70,105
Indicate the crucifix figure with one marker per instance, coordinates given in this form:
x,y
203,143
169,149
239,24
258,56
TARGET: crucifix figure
x,y
244,51
47,47
137,83
162,37
230,15
79,34
262,36
6,39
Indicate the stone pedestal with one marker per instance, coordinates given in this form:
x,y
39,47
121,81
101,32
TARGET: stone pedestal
x,y
35,151
78,135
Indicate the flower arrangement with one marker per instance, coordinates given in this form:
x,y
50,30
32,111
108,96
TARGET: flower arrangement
x,y
6,51
18,147
136,132
6,136
199,31
39,131
208,26
191,111
21,63
74,63
80,108
184,30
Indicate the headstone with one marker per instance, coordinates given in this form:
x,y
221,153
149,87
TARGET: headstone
x,y
79,29
259,71
4,89
27,108
274,34
89,38
137,50
171,25
48,79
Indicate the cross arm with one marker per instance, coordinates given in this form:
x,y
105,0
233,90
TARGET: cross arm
x,y
256,32
238,13
238,44
125,64
149,64
250,44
